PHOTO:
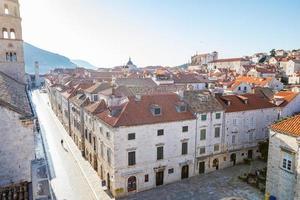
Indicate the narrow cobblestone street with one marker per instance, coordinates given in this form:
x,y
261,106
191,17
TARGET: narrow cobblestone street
x,y
72,178
218,185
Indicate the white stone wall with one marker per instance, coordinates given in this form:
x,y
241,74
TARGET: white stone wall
x,y
16,149
281,183
292,107
248,127
145,146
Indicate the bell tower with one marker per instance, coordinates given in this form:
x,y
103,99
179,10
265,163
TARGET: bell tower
x,y
11,43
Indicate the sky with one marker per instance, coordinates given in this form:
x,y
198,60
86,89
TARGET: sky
x,y
159,32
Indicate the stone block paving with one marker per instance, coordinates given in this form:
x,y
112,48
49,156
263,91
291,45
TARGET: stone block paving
x,y
218,185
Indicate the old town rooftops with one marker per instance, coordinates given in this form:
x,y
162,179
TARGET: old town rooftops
x,y
237,103
13,95
290,126
202,101
147,109
229,60
98,87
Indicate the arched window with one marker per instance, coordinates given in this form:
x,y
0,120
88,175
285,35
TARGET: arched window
x,y
7,56
10,56
14,57
6,11
12,34
131,186
5,33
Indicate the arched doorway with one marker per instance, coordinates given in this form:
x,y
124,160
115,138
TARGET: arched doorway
x,y
108,181
216,163
131,184
233,158
184,172
250,154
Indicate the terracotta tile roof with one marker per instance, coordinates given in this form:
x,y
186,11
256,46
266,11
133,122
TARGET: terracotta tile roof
x,y
96,107
137,112
98,87
189,78
13,95
131,82
202,101
236,103
253,80
288,96
290,126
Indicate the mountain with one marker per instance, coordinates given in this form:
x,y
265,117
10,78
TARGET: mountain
x,y
46,59
83,63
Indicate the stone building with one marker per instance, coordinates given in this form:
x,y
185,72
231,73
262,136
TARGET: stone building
x,y
283,159
17,137
144,142
209,134
247,118
11,48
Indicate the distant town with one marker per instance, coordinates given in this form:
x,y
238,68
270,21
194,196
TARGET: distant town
x,y
214,128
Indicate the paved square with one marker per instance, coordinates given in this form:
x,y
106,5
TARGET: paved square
x,y
213,186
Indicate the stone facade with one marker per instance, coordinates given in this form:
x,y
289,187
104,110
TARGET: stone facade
x,y
283,183
11,48
17,147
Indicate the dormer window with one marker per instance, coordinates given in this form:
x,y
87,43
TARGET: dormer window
x,y
181,107
155,110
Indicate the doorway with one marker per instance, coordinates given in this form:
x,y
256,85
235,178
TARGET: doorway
x,y
250,154
184,172
131,184
159,178
201,167
233,158
108,181
216,163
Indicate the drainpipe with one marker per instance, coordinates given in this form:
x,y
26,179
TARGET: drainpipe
x,y
195,160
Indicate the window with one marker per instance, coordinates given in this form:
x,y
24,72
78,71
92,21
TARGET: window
x,y
203,134
108,135
12,34
131,136
184,148
4,33
233,139
95,97
251,137
234,122
287,161
239,88
160,153
90,138
216,147
156,111
185,129
85,133
203,117
108,152
160,132
218,115
171,171
217,132
131,158
146,178
202,150
101,130
94,142
6,11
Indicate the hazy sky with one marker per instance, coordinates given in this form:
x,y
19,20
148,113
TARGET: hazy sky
x,y
159,32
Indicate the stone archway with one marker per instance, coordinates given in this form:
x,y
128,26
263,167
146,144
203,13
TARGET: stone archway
x,y
233,158
131,184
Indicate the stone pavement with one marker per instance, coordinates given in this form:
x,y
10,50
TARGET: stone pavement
x,y
90,176
217,185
